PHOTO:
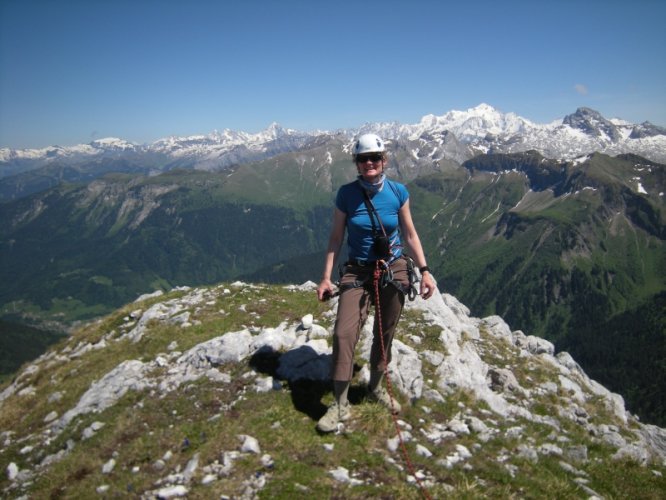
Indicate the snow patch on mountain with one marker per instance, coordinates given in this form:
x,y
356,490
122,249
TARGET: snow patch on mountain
x,y
455,135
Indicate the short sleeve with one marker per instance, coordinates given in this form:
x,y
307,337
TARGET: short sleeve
x,y
401,192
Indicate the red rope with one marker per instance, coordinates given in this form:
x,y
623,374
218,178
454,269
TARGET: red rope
x,y
377,277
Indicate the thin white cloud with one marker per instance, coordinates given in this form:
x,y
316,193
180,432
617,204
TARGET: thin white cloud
x,y
581,89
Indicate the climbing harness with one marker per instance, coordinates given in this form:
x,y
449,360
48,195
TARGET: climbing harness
x,y
410,290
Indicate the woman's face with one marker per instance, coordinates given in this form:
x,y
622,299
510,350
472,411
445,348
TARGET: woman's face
x,y
370,166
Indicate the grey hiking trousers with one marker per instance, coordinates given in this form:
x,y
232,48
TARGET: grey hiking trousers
x,y
353,308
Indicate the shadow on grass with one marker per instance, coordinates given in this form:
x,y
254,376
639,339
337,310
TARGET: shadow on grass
x,y
307,396
306,376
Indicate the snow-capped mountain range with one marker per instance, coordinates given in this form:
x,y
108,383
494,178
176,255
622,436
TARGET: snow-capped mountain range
x,y
486,130
482,129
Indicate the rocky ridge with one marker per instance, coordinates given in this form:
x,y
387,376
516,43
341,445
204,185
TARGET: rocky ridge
x,y
440,353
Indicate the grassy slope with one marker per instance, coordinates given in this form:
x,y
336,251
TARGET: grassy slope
x,y
206,418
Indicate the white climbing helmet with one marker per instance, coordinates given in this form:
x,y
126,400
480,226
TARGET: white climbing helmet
x,y
368,143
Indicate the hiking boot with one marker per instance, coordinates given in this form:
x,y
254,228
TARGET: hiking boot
x,y
334,415
381,395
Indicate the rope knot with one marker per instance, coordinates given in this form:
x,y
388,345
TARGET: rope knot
x,y
383,274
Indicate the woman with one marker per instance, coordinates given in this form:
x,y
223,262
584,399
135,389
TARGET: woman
x,y
371,210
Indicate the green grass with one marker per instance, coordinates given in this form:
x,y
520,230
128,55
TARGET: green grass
x,y
206,418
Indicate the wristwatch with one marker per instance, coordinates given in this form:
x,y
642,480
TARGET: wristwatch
x,y
424,269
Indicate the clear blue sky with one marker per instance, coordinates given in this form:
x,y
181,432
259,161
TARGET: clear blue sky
x,y
72,71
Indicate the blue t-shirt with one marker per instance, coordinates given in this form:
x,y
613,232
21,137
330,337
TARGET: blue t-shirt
x,y
387,203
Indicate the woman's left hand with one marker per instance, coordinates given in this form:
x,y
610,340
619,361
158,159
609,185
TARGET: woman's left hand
x,y
428,285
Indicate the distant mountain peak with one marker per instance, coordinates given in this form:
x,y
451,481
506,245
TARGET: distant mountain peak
x,y
112,143
646,129
593,123
479,129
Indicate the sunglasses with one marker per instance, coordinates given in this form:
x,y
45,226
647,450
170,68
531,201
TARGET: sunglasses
x,y
374,158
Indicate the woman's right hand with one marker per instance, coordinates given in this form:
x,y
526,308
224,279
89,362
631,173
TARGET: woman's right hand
x,y
325,290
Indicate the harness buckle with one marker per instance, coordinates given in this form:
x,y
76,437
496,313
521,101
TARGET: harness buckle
x,y
386,276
